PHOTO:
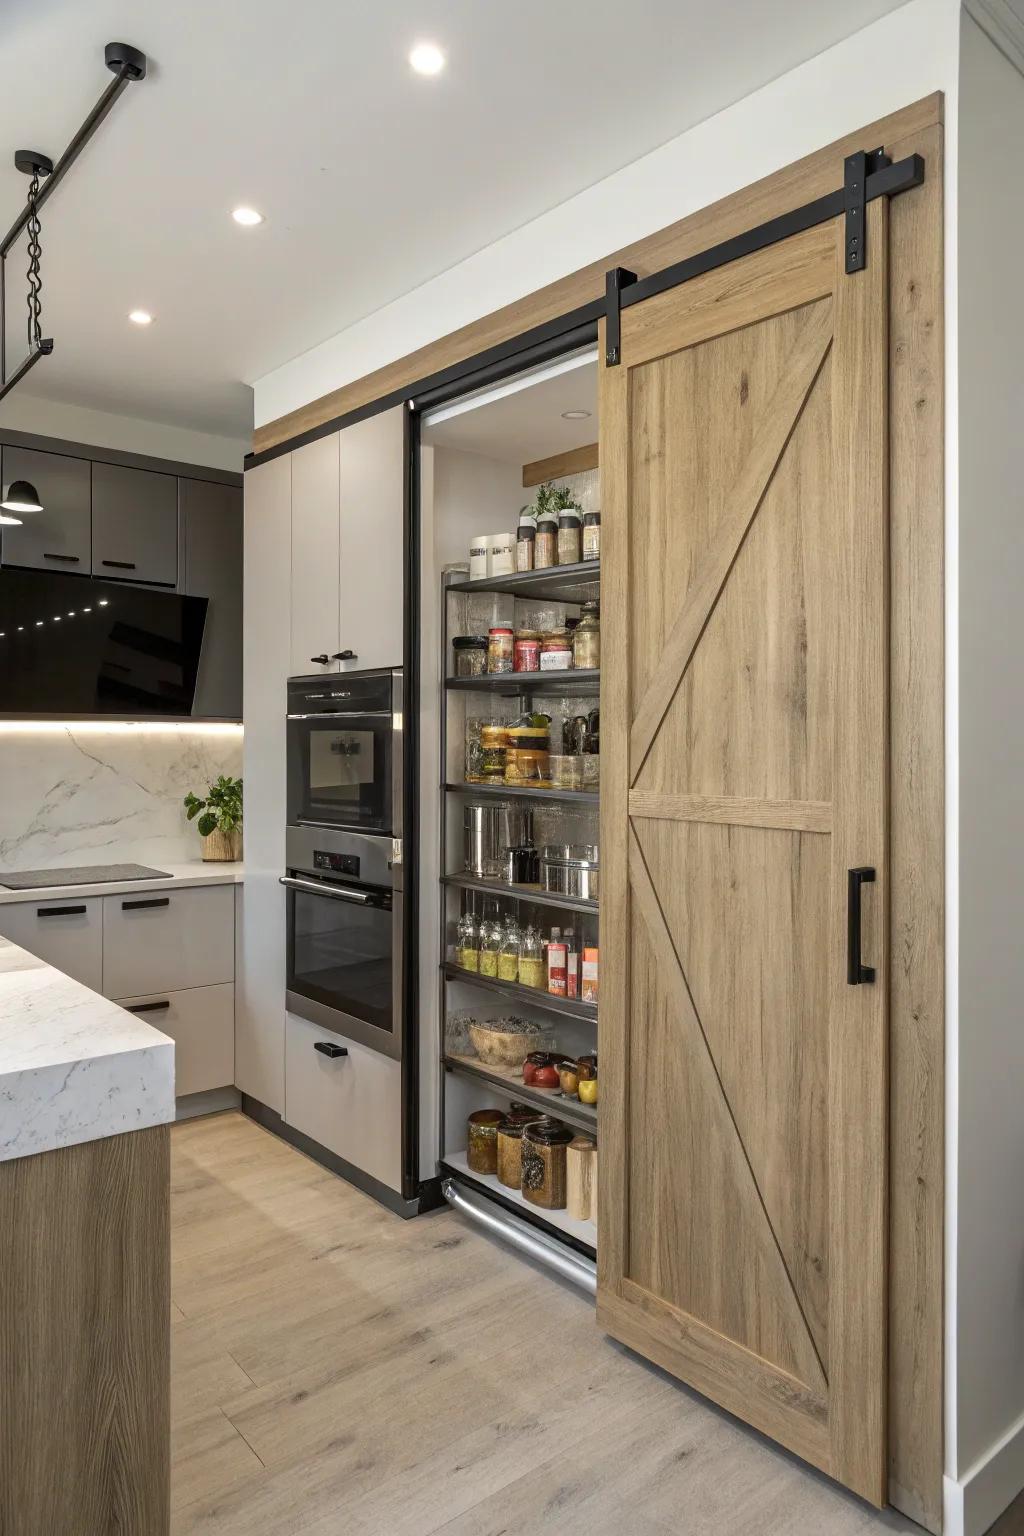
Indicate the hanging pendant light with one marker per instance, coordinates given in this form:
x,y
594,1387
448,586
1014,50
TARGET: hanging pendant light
x,y
22,496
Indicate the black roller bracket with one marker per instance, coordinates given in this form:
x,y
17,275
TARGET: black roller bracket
x,y
31,163
856,170
614,282
123,59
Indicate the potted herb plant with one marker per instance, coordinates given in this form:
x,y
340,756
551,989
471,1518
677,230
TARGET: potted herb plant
x,y
220,819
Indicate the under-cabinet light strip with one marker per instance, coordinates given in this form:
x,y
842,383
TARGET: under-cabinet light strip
x,y
511,386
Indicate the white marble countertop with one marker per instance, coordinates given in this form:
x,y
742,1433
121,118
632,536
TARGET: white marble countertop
x,y
194,872
73,1066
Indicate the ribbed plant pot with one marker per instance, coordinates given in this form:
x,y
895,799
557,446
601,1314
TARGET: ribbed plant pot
x,y
222,847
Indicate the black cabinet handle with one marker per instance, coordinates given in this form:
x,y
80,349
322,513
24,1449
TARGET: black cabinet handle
x,y
60,911
328,1048
345,656
152,901
322,660
856,972
71,559
121,565
148,1007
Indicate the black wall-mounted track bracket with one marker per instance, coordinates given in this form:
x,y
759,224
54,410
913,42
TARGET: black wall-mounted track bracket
x,y
856,170
615,281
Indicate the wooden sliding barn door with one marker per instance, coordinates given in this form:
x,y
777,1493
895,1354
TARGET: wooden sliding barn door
x,y
743,450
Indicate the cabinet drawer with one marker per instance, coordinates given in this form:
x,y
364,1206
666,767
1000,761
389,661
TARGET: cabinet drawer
x,y
134,524
201,1022
57,538
165,941
352,1104
66,933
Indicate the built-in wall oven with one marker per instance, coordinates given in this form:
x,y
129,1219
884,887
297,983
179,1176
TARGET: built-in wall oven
x,y
343,850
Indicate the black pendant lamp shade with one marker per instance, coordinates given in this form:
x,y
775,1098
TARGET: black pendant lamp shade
x,y
22,496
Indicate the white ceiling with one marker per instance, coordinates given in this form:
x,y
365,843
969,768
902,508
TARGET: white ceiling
x,y
521,420
372,179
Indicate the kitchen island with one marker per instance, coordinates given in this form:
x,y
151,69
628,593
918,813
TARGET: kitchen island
x,y
86,1097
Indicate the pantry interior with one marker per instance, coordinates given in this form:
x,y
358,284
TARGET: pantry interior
x,y
509,750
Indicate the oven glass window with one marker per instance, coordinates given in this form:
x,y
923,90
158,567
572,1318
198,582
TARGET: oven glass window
x,y
339,773
340,955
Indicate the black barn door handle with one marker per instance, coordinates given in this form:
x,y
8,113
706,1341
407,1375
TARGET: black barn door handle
x,y
856,972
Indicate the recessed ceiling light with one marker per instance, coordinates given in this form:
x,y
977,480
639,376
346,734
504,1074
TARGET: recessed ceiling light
x,y
427,59
575,415
103,602
246,216
140,317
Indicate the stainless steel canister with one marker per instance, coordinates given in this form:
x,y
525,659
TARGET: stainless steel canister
x,y
571,869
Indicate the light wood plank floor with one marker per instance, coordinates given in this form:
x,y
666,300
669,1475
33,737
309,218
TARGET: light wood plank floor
x,y
340,1372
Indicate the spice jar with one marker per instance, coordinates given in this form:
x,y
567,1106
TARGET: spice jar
x,y
556,651
544,1144
592,536
482,1140
545,549
500,641
527,650
586,637
570,530
526,538
470,653
510,1152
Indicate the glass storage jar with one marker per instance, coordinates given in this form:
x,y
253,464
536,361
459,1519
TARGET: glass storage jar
x,y
533,971
586,637
544,1144
470,655
545,547
508,954
500,642
555,651
510,1152
467,943
570,529
482,1140
527,650
592,536
490,944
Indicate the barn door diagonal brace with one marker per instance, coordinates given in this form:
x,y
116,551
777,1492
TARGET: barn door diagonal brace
x,y
867,175
856,169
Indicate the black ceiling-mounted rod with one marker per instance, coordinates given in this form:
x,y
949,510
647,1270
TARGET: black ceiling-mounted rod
x,y
886,180
126,64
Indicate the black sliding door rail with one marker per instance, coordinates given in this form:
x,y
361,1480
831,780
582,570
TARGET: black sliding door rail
x,y
867,177
126,64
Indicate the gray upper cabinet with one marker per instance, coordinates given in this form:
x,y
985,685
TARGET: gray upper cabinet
x,y
134,524
211,540
58,537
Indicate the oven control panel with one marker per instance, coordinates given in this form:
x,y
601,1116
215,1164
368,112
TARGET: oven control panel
x,y
337,863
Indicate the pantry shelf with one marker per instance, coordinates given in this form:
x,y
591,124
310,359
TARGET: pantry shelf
x,y
557,583
563,1007
582,1232
509,1081
507,792
584,681
530,893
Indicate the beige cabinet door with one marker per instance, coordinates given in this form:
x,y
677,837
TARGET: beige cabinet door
x,y
744,721
314,558
372,540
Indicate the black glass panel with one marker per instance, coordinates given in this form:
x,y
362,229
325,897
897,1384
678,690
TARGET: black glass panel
x,y
341,955
70,645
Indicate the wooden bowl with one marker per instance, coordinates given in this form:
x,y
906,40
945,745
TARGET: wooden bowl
x,y
496,1048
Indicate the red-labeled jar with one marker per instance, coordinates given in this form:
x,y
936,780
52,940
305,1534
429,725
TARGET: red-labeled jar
x,y
527,651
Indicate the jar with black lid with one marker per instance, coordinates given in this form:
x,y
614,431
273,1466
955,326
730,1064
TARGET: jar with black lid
x,y
544,1168
470,653
482,1140
569,537
591,535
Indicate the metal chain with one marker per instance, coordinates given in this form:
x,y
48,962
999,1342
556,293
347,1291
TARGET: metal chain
x,y
35,282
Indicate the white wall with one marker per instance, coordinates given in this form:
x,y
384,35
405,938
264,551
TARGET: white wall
x,y
24,412
989,1073
904,56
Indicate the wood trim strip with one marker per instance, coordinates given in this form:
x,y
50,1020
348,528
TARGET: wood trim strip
x,y
733,810
812,176
560,465
771,435
695,1042
722,1369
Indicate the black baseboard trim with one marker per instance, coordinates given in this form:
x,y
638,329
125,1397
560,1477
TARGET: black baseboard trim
x,y
431,1195
271,1121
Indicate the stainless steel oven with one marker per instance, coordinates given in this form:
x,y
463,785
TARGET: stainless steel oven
x,y
345,934
345,751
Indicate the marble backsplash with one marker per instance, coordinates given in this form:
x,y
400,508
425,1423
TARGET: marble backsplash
x,y
96,793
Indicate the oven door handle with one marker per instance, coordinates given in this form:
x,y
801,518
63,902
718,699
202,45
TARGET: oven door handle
x,y
360,898
345,714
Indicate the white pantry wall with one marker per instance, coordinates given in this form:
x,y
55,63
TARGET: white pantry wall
x,y
988,1290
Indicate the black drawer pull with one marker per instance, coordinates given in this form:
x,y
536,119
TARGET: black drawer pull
x,y
345,656
150,901
856,972
148,1007
121,565
328,1048
321,660
71,559
61,911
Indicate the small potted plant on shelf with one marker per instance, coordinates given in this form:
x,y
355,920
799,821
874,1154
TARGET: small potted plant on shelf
x,y
220,819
